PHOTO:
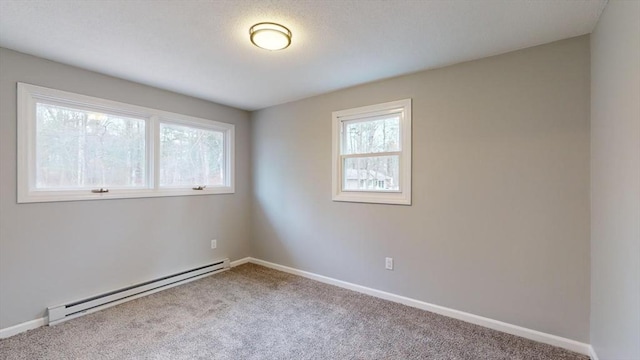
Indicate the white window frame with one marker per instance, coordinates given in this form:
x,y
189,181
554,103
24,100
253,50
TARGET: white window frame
x,y
28,97
339,119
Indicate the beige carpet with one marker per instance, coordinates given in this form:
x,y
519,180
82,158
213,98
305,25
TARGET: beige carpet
x,y
252,312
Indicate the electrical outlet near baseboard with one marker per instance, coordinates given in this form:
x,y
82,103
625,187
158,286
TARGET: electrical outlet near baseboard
x,y
388,263
214,243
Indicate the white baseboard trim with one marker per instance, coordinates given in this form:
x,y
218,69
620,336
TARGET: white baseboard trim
x,y
576,346
25,326
535,335
240,261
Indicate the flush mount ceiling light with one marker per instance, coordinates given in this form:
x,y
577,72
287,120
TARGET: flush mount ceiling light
x,y
270,36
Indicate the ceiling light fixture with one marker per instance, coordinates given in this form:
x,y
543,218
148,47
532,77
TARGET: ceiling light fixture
x,y
270,36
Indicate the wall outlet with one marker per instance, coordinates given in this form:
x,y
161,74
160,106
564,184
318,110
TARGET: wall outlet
x,y
214,243
388,263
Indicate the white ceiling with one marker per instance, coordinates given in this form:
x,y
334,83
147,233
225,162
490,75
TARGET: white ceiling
x,y
202,48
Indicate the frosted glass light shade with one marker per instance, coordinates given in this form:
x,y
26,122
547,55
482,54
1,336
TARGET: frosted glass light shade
x,y
270,36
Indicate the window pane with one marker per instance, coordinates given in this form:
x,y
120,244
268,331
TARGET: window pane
x,y
376,173
85,149
379,135
191,156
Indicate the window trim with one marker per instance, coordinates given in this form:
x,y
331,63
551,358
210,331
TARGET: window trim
x,y
364,113
29,95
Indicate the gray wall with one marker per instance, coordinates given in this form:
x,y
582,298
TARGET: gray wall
x,y
499,225
615,182
56,252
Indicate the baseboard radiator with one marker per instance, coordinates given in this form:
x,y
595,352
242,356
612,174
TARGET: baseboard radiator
x,y
60,313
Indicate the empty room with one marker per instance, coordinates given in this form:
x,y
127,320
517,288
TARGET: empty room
x,y
328,179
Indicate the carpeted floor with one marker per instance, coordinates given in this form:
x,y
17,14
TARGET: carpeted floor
x,y
252,312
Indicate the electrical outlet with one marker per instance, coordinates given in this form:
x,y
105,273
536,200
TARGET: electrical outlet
x,y
388,263
214,243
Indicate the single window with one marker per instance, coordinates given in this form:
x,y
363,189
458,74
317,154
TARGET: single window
x,y
76,147
191,156
372,153
82,149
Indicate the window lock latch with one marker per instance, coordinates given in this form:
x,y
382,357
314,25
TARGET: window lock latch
x,y
100,191
199,187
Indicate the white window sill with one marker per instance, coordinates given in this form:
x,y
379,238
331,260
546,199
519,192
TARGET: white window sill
x,y
55,196
392,198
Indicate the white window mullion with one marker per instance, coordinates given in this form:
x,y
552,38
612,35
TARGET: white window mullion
x,y
377,154
153,177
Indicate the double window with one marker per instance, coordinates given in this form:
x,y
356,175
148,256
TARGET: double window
x,y
76,147
372,153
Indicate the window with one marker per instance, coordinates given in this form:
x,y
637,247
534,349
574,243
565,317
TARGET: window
x,y
372,153
76,147
191,156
